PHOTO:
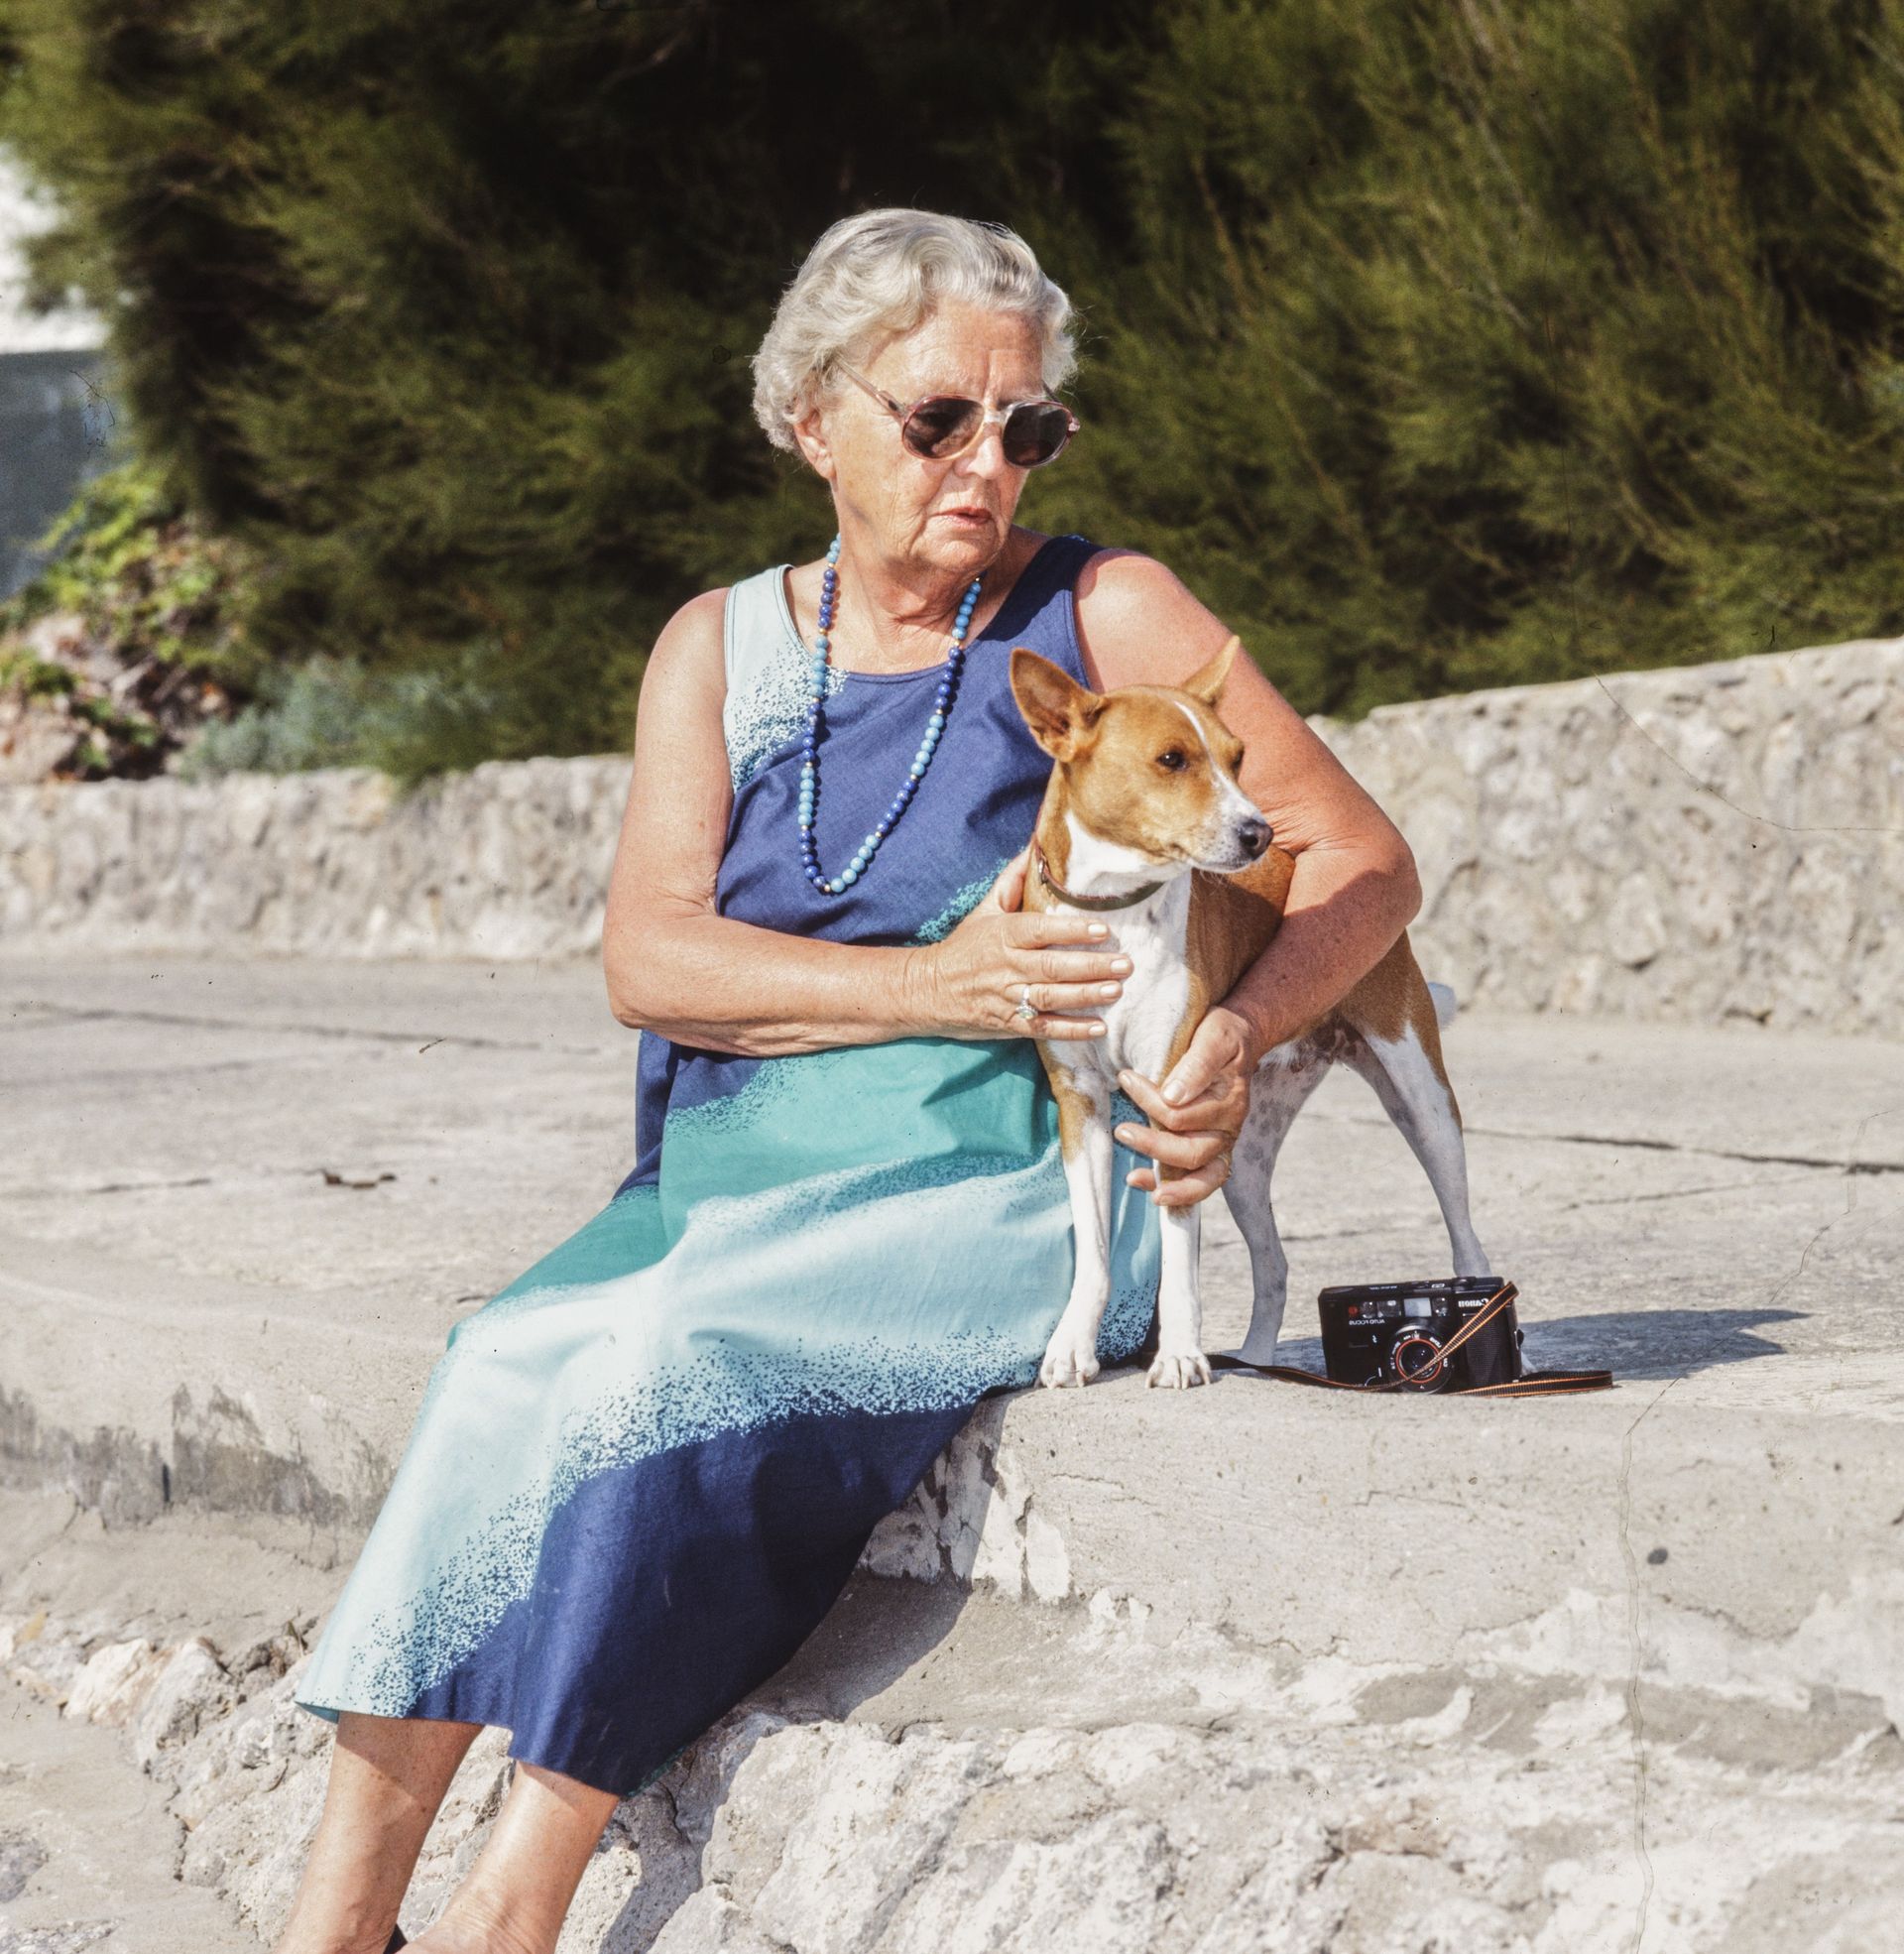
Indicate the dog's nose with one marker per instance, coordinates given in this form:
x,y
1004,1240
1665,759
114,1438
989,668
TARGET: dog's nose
x,y
1254,837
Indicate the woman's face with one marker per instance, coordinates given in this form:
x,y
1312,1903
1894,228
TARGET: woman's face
x,y
903,501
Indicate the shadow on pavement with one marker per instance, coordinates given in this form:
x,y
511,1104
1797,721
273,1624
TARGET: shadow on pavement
x,y
1631,1343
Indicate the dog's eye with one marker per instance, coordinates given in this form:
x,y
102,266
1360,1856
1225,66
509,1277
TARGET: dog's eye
x,y
1171,757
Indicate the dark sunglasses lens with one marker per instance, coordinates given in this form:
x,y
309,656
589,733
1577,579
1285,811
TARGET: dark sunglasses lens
x,y
936,428
1034,432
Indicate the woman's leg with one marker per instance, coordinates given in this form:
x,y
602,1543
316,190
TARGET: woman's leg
x,y
518,1892
387,1776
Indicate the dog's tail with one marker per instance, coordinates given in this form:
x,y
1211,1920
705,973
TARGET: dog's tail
x,y
1444,1005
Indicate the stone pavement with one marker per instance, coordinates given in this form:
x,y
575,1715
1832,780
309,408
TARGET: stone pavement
x,y
1246,1666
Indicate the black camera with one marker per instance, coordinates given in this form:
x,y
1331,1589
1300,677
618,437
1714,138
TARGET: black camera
x,y
1395,1334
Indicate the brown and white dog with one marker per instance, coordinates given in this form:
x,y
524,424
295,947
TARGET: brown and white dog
x,y
1144,827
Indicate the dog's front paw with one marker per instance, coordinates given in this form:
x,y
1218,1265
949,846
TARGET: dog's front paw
x,y
1179,1371
1070,1358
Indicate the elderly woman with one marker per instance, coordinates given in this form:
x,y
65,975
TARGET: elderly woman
x,y
643,1472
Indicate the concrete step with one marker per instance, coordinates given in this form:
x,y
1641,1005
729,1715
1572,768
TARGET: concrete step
x,y
196,1315
1562,1635
944,1769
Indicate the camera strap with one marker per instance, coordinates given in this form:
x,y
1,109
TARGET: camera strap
x,y
1530,1384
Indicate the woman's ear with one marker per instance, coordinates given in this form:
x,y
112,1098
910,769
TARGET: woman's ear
x,y
1058,710
814,444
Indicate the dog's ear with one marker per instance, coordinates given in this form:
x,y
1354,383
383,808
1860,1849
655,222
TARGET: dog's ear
x,y
1057,707
1206,682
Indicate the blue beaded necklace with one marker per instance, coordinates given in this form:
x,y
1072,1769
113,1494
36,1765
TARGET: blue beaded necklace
x,y
810,766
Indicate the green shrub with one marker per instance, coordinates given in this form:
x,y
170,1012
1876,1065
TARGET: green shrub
x,y
147,579
445,305
1433,347
334,712
147,638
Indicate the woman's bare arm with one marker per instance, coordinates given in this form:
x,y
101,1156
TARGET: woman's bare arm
x,y
674,967
1353,889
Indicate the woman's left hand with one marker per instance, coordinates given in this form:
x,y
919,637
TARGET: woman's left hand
x,y
1197,1114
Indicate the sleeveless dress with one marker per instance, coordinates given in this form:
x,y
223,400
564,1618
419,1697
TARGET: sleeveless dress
x,y
642,1473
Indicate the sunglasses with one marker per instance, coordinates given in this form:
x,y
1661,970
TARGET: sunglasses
x,y
945,424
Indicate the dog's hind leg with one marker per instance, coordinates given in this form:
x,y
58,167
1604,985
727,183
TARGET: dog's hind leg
x,y
1407,1076
1281,1086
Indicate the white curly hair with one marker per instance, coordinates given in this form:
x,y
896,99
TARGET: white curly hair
x,y
886,271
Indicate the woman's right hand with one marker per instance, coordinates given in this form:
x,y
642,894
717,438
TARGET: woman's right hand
x,y
967,985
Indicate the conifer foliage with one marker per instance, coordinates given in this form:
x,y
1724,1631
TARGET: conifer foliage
x,y
449,306
1433,344
1478,344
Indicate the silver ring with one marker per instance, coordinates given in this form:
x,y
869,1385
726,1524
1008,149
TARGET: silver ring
x,y
1026,1010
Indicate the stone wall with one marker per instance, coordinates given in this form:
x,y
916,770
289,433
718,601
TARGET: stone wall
x,y
509,860
1719,842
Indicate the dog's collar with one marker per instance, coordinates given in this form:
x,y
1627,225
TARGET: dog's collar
x,y
1064,894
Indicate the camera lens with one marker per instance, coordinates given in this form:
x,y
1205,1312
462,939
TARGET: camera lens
x,y
1416,1361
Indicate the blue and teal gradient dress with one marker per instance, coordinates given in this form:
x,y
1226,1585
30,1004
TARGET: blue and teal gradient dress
x,y
643,1472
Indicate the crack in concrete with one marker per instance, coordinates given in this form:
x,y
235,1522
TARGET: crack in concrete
x,y
1812,1160
105,1187
1706,787
52,1194
1399,1222
424,1039
1396,1224
1850,1169
1636,1717
1682,1193
143,1074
